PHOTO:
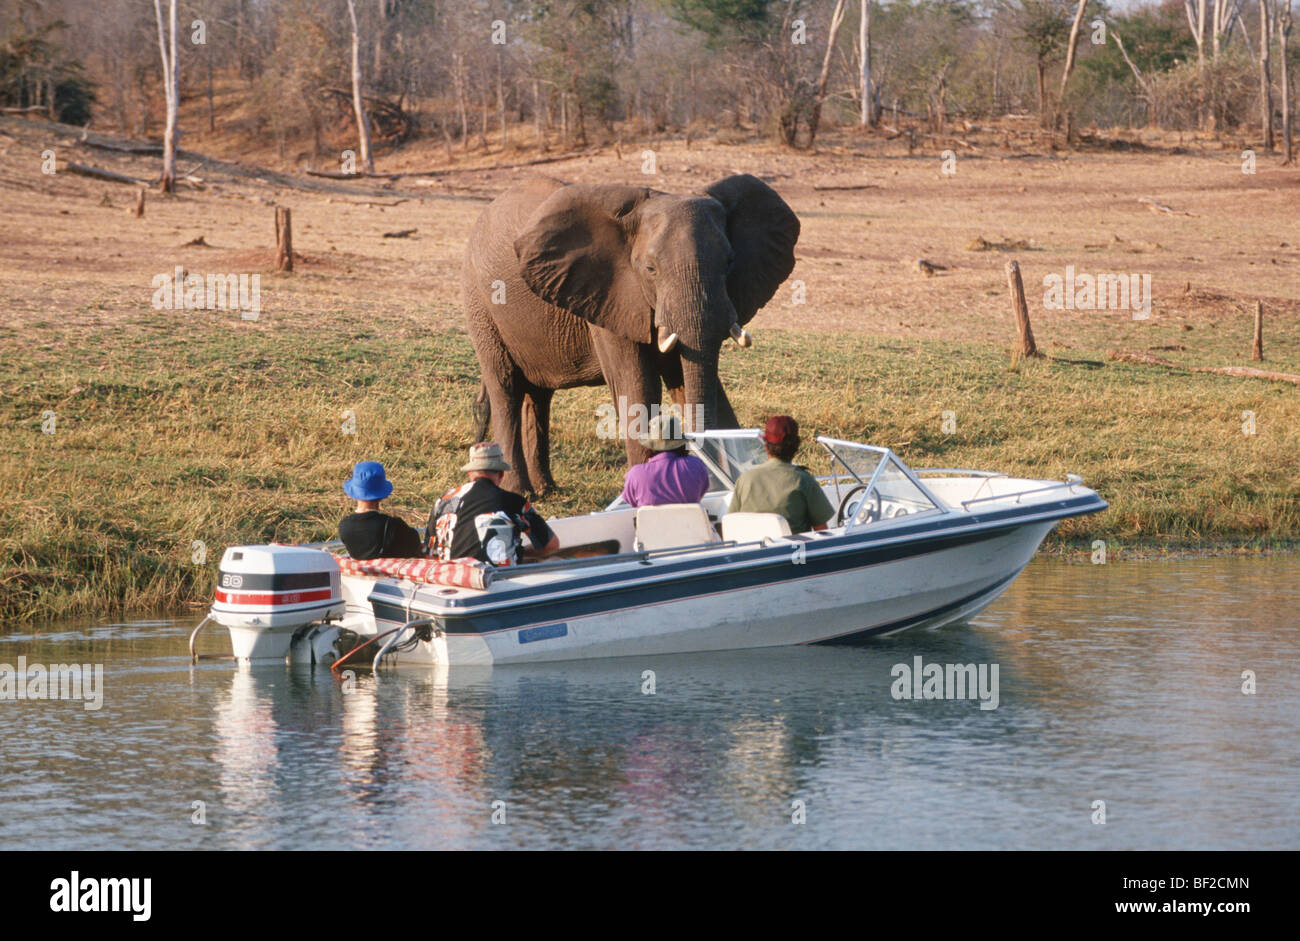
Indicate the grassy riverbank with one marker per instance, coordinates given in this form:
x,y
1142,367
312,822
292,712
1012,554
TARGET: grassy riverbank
x,y
176,427
196,426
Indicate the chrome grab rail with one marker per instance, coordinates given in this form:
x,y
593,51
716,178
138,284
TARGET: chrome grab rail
x,y
963,471
397,634
1071,480
194,657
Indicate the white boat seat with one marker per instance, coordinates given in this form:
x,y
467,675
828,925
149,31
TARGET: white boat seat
x,y
751,527
671,525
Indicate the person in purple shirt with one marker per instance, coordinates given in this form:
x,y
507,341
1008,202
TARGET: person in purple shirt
x,y
671,475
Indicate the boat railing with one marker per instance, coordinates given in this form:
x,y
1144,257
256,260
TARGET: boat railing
x,y
957,472
1071,481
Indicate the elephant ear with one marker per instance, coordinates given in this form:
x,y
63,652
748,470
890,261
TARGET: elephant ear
x,y
575,252
762,230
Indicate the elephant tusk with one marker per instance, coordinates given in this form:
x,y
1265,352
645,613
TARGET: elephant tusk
x,y
666,343
742,337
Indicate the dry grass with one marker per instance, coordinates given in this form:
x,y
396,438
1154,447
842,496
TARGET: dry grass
x,y
183,425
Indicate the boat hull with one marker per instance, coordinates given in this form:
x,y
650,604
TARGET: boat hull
x,y
841,597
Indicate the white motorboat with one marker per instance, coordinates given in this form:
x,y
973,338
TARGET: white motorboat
x,y
906,549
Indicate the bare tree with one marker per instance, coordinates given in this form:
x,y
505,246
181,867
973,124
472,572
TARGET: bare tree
x,y
868,114
168,53
358,104
1072,45
1283,39
837,18
1265,80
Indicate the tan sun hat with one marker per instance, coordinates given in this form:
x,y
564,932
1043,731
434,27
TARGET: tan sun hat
x,y
664,433
486,456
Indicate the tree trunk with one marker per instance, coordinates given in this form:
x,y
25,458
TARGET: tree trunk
x,y
501,97
1042,91
837,18
867,115
1265,79
1020,310
1283,38
358,104
283,240
462,105
1074,42
212,118
168,52
537,119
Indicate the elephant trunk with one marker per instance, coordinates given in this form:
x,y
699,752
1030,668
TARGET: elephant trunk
x,y
700,381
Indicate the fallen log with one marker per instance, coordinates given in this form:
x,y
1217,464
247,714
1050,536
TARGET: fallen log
x,y
1241,372
95,173
854,186
1161,207
123,148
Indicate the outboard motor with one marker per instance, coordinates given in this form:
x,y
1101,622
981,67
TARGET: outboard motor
x,y
276,602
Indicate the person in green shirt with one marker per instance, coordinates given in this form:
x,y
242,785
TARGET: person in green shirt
x,y
777,486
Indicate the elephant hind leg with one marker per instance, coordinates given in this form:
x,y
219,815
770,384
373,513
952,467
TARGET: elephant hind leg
x,y
500,398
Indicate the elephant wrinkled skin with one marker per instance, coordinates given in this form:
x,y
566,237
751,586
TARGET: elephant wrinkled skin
x,y
581,284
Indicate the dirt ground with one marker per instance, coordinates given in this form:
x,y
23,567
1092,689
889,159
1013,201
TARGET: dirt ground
x,y
70,248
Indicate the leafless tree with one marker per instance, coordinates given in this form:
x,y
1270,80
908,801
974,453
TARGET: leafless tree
x,y
358,103
1265,79
168,53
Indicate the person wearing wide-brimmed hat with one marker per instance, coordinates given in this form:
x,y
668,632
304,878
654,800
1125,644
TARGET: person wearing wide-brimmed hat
x,y
778,486
367,533
480,520
670,475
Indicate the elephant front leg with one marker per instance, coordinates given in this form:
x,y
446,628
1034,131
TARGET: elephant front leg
x,y
726,414
535,433
632,373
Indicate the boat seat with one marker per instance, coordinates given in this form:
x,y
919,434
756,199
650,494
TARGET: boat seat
x,y
672,525
750,527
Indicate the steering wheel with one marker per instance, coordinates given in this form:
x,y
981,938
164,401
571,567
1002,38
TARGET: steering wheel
x,y
846,510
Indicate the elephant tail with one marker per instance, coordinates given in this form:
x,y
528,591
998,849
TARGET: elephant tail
x,y
482,413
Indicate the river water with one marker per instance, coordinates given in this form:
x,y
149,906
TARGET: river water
x,y
1117,683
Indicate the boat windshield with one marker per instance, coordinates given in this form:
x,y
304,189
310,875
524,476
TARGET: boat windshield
x,y
881,487
727,454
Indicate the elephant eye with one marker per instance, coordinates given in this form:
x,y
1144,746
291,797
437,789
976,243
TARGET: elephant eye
x,y
731,261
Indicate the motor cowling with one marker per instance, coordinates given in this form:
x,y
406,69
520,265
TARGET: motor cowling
x,y
265,594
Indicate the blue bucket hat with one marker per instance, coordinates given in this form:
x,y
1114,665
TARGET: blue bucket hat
x,y
368,482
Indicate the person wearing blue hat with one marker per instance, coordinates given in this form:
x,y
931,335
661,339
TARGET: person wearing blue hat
x,y
367,533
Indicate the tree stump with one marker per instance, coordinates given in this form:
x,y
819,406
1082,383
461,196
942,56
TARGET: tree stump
x,y
139,203
1020,309
283,240
1257,352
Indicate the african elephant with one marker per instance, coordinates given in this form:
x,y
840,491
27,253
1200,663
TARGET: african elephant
x,y
577,284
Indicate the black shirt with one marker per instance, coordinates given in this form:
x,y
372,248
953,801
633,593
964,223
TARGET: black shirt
x,y
460,507
375,535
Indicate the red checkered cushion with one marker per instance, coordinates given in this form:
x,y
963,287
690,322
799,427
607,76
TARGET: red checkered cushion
x,y
458,573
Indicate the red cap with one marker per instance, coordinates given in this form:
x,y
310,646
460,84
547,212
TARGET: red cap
x,y
779,428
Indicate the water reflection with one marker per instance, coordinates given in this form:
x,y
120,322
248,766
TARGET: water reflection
x,y
1119,683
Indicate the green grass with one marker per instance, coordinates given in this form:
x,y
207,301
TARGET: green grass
x,y
224,432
